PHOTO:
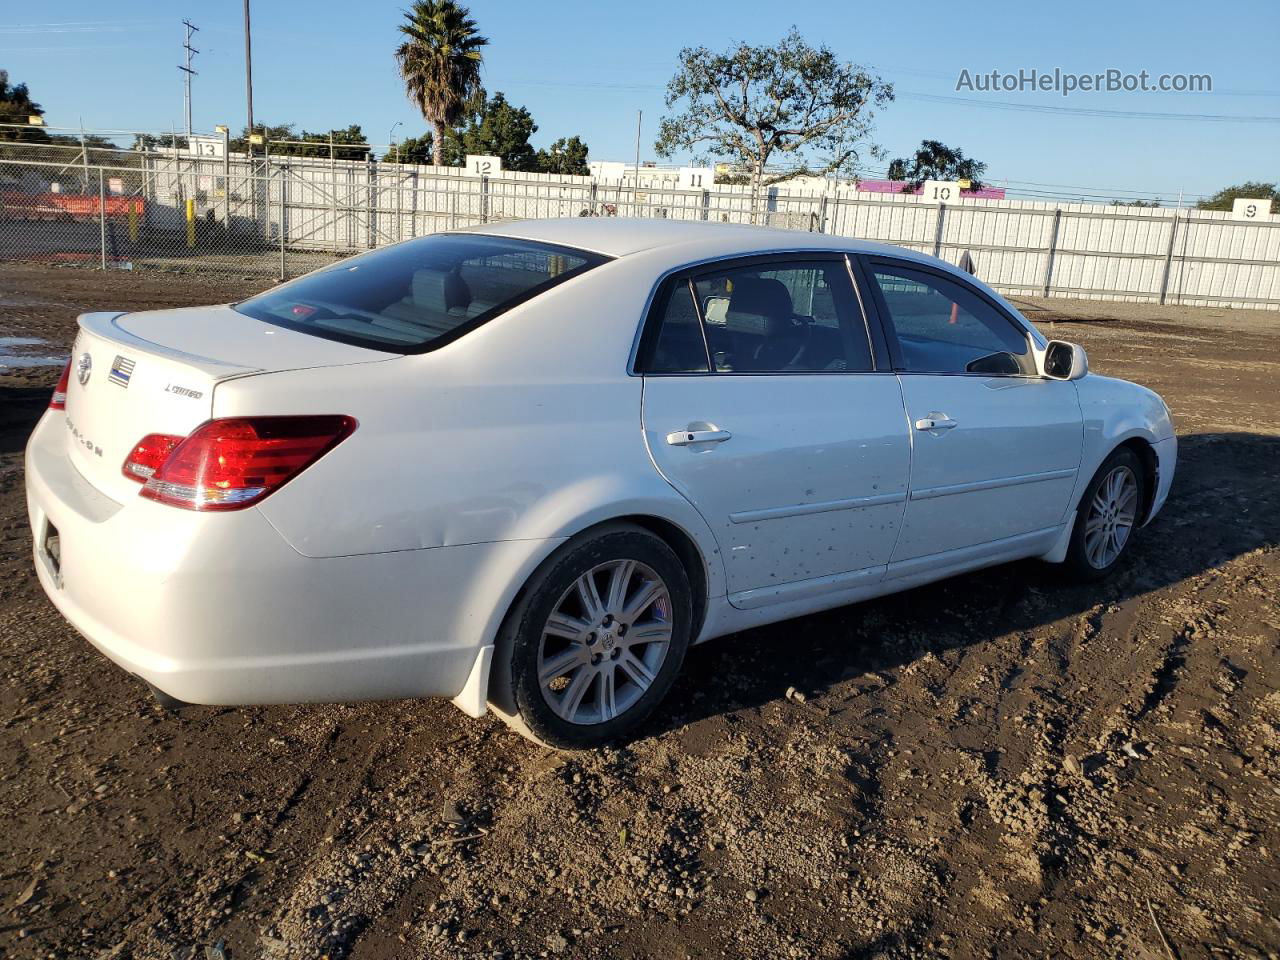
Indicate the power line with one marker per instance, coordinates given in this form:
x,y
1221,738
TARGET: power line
x,y
1086,111
79,26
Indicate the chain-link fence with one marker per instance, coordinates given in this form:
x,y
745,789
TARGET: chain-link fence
x,y
276,215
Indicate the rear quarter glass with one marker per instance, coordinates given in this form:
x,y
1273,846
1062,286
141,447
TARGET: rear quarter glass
x,y
419,295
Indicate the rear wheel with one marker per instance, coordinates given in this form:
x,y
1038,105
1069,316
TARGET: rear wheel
x,y
597,639
1107,517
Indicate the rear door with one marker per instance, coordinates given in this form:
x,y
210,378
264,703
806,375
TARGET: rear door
x,y
996,447
764,406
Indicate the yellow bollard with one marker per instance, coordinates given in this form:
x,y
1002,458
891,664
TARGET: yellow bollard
x,y
191,223
133,221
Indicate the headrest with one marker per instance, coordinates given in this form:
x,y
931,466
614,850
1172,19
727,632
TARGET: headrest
x,y
758,305
442,291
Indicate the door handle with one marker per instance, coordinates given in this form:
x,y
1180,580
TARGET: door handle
x,y
936,421
683,438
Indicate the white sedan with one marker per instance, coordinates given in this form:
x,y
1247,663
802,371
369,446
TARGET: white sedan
x,y
526,466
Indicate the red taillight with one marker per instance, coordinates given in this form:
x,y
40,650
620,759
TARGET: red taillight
x,y
147,456
233,463
59,399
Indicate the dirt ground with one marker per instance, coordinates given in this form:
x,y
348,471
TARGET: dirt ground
x,y
1003,765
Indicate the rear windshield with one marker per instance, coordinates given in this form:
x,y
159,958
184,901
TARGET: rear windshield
x,y
418,295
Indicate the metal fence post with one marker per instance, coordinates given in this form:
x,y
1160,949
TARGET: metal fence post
x,y
822,214
937,233
281,223
102,219
1053,246
1168,257
413,202
84,158
370,204
484,199
333,189
266,183
226,182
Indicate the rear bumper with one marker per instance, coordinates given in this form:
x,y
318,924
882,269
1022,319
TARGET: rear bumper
x,y
219,609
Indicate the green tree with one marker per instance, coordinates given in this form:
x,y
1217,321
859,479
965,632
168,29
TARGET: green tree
x,y
1223,199
568,155
934,160
282,139
440,61
16,106
497,128
349,143
282,131
1135,203
158,141
753,105
411,150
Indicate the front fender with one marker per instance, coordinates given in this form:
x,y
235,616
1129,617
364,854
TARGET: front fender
x,y
1114,412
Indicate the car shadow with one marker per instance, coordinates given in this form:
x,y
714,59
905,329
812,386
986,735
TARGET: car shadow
x,y
20,408
1225,502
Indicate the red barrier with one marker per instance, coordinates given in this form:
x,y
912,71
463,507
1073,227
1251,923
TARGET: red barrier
x,y
64,206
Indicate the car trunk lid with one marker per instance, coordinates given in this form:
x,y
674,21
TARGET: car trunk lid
x,y
155,372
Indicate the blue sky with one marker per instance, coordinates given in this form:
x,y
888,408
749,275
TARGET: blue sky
x,y
328,63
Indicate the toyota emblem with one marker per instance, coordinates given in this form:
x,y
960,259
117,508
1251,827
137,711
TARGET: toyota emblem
x,y
84,368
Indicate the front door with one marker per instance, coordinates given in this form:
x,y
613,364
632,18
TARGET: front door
x,y
996,447
763,408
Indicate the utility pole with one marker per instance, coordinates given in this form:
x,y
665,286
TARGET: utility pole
x,y
635,193
248,71
191,29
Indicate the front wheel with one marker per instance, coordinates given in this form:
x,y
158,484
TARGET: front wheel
x,y
1107,517
596,641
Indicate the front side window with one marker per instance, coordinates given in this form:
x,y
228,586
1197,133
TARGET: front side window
x,y
421,294
944,327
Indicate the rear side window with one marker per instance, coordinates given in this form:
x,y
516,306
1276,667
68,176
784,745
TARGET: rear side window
x,y
678,347
768,316
791,317
418,295
944,327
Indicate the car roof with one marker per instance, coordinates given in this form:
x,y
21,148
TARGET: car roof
x,y
694,240
679,243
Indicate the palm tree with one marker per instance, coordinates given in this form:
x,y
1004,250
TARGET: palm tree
x,y
440,62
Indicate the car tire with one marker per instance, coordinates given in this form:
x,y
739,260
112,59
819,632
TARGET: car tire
x,y
595,640
1107,517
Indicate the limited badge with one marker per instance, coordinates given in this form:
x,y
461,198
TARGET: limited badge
x,y
121,371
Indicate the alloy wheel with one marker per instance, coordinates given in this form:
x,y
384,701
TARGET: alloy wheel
x,y
1111,517
604,642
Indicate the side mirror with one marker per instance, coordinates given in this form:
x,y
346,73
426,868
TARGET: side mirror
x,y
1065,361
